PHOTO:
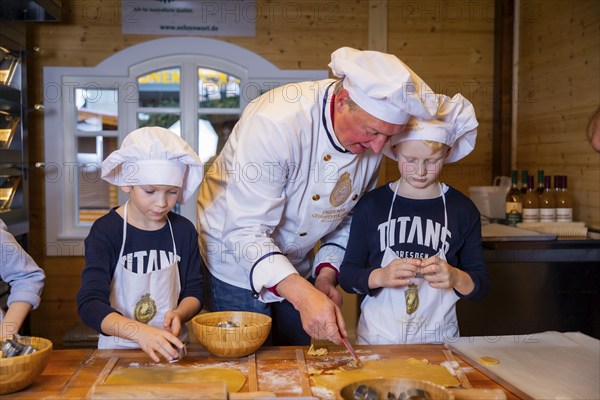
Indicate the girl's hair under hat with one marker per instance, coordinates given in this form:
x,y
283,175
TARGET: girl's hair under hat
x,y
454,124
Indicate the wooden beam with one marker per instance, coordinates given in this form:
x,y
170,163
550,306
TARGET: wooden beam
x,y
503,87
378,25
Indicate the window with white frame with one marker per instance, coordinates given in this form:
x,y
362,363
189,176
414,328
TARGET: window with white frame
x,y
196,87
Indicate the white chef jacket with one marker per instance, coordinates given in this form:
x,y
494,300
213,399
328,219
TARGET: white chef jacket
x,y
282,183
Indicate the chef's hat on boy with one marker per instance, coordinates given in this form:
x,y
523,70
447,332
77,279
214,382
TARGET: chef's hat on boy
x,y
154,156
455,125
382,85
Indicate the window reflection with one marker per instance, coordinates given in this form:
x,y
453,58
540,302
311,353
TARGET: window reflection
x,y
95,196
213,132
97,109
217,89
164,120
160,89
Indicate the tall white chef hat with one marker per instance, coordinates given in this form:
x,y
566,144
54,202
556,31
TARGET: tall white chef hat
x,y
455,125
382,85
154,156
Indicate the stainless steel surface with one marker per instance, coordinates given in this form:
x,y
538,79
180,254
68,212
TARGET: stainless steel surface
x,y
364,392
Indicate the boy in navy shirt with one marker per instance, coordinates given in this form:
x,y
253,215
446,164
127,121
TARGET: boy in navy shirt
x,y
141,281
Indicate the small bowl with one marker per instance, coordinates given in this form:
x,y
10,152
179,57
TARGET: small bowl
x,y
19,372
231,334
400,389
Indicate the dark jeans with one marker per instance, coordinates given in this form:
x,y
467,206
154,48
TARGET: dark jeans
x,y
286,329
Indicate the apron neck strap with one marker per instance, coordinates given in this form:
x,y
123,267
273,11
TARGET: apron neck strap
x,y
444,228
125,232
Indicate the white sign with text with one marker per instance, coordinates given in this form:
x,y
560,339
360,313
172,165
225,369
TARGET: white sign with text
x,y
189,17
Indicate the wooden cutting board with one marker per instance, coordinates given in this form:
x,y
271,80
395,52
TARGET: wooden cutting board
x,y
170,391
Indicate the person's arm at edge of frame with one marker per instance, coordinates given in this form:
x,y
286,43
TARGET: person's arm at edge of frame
x,y
27,282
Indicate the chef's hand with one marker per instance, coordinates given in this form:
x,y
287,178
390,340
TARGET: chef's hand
x,y
442,275
396,274
321,317
326,282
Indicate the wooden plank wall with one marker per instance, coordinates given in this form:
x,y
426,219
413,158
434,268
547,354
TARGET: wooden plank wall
x,y
450,45
291,34
559,89
452,53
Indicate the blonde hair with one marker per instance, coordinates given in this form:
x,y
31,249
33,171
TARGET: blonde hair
x,y
435,146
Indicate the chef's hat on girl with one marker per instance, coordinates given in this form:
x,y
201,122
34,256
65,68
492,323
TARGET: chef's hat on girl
x,y
154,156
454,124
382,85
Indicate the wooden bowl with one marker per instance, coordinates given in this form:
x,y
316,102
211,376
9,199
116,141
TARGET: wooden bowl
x,y
384,386
19,372
231,333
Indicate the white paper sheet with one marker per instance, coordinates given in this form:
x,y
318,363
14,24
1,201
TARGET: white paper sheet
x,y
547,365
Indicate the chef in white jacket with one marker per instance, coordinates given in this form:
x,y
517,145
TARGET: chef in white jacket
x,y
295,165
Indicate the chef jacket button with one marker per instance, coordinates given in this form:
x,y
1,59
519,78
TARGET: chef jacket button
x,y
355,197
316,197
302,234
327,157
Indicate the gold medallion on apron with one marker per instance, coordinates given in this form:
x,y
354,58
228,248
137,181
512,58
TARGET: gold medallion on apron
x,y
145,309
411,295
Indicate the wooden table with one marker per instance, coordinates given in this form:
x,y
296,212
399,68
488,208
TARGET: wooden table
x,y
72,373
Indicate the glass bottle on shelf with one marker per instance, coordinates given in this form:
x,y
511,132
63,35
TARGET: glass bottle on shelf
x,y
540,186
514,202
564,201
523,182
531,205
547,202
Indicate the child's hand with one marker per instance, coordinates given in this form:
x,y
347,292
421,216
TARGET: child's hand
x,y
172,322
442,275
325,282
154,340
396,274
438,273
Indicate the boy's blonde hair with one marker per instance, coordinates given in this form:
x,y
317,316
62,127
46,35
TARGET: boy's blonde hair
x,y
433,145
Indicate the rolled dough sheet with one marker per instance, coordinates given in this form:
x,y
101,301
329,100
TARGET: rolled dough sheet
x,y
127,376
409,368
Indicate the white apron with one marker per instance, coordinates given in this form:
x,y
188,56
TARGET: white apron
x,y
385,317
142,297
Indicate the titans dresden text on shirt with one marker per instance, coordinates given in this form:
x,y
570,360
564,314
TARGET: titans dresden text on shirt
x,y
144,262
414,230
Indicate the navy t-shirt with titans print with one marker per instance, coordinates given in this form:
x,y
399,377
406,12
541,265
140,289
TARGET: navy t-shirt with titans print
x,y
144,252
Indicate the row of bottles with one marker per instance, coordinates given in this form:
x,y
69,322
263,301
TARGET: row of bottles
x,y
541,204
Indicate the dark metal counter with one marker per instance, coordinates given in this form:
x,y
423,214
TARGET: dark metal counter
x,y
537,286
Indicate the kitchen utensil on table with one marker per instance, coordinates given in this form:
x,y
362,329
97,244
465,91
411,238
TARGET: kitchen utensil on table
x,y
231,333
20,371
357,362
413,389
181,352
397,389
